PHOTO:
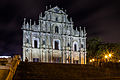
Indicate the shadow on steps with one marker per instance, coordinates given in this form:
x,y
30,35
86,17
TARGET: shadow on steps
x,y
57,71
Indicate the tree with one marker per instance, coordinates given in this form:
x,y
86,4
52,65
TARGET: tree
x,y
92,47
98,49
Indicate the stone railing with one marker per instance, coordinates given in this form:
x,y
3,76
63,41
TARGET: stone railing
x,y
4,67
13,66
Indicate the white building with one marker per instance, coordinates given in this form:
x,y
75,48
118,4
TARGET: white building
x,y
53,39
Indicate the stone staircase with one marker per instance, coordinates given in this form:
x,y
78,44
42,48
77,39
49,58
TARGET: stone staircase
x,y
57,71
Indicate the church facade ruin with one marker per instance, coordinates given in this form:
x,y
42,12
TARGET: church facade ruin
x,y
53,39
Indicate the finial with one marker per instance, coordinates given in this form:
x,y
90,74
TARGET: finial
x,y
50,6
80,31
71,19
24,21
65,10
80,28
27,23
84,30
30,22
27,26
41,15
34,23
46,7
76,28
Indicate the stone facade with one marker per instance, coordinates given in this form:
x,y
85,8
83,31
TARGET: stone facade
x,y
53,39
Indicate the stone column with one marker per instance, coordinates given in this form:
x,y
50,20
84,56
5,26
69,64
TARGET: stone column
x,y
24,53
84,57
63,57
47,55
79,57
51,56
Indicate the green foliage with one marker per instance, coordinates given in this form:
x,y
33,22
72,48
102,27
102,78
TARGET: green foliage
x,y
97,49
92,47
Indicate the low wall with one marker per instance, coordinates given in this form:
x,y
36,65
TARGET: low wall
x,y
10,67
13,67
4,67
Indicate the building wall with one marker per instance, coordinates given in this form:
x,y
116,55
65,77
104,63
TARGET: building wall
x,y
40,40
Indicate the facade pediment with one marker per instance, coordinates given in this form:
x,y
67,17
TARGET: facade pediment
x,y
56,10
55,14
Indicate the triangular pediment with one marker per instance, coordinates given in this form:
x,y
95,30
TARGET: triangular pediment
x,y
56,9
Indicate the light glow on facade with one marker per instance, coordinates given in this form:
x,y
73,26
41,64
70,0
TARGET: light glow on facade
x,y
53,39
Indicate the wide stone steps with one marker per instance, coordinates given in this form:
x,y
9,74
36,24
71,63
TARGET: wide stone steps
x,y
54,71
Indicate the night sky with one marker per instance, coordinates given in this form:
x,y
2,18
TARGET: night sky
x,y
100,17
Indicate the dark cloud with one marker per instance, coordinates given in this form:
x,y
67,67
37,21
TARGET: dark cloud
x,y
101,17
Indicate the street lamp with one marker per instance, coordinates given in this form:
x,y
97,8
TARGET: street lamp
x,y
90,60
110,55
93,60
119,61
106,57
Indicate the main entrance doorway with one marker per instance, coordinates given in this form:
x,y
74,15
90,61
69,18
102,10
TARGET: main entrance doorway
x,y
75,61
35,59
57,59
